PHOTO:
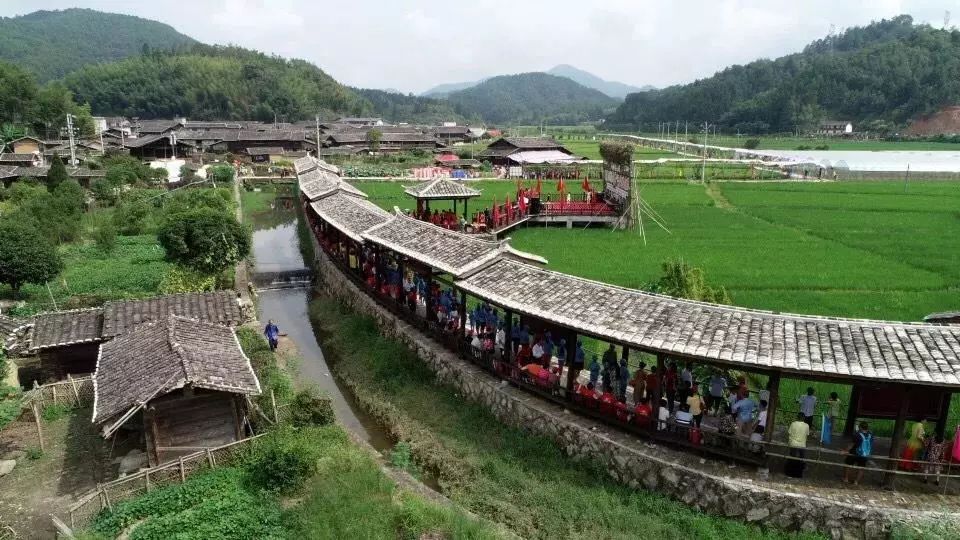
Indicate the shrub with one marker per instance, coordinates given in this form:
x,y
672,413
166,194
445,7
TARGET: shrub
x,y
400,456
55,412
26,256
34,453
205,240
822,147
183,280
752,144
105,236
282,462
10,398
803,147
309,408
132,214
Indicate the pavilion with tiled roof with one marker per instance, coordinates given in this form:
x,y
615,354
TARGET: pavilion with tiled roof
x,y
441,189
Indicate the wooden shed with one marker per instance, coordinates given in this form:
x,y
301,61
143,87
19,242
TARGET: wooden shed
x,y
182,382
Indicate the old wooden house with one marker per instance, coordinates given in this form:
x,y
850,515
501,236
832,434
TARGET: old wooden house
x,y
66,342
181,383
526,150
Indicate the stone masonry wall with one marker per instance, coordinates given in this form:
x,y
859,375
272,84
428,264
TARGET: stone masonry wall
x,y
628,460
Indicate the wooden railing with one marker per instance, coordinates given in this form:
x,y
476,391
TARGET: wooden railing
x,y
82,513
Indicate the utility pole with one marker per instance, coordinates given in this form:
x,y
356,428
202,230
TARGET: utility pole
x,y
73,151
318,136
703,167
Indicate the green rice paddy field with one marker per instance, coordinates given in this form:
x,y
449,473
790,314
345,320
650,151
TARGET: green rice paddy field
x,y
852,249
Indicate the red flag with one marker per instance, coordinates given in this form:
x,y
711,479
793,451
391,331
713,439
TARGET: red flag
x,y
539,186
586,185
561,187
496,212
522,204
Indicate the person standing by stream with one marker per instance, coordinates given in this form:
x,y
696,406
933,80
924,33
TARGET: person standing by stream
x,y
273,334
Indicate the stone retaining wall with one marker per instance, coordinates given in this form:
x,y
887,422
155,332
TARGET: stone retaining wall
x,y
627,459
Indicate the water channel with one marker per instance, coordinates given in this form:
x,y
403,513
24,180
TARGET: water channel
x,y
276,249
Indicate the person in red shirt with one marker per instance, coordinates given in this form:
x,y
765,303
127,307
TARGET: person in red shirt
x,y
653,383
643,413
742,391
587,391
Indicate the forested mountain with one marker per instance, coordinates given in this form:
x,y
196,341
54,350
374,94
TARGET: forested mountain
x,y
397,107
212,82
613,89
529,98
53,43
876,76
445,89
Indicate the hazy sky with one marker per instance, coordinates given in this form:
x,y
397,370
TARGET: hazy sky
x,y
413,45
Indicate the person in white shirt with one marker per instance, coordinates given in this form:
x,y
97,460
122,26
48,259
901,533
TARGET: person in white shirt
x,y
663,415
537,351
501,340
808,406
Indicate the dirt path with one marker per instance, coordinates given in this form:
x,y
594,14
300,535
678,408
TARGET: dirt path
x,y
76,459
716,195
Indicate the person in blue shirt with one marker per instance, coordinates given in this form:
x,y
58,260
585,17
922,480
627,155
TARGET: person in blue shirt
x,y
525,335
515,337
273,334
562,354
594,370
743,409
547,350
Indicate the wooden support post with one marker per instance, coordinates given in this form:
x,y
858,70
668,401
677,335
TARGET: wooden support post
x,y
463,313
38,420
571,357
106,498
508,354
273,404
897,438
210,459
146,480
429,300
941,426
183,471
774,384
852,410
54,388
76,391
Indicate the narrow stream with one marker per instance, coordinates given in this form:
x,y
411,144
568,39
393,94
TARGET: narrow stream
x,y
276,249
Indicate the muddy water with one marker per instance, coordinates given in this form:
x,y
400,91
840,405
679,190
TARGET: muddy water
x,y
275,249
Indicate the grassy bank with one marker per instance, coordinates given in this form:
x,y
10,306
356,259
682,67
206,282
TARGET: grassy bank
x,y
522,481
347,497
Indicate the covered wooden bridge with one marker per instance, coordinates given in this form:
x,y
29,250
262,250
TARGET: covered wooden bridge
x,y
896,370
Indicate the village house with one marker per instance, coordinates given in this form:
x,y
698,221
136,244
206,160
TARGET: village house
x,y
512,151
452,134
31,159
361,122
835,128
180,382
66,342
389,141
159,146
266,154
26,145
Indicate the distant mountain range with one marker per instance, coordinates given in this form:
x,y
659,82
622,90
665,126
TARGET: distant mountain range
x,y
51,44
531,98
610,88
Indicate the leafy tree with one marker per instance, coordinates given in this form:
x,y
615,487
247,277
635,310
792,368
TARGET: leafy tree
x,y
107,189
57,173
184,200
105,236
25,256
221,174
751,144
373,139
132,214
56,215
10,132
205,240
681,280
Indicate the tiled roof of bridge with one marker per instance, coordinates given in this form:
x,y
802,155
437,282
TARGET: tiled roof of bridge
x,y
320,182
441,188
864,349
351,215
449,251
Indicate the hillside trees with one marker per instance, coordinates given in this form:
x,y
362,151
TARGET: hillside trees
x,y
890,71
213,82
43,109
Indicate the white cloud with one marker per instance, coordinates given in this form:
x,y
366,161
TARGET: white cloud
x,y
414,45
